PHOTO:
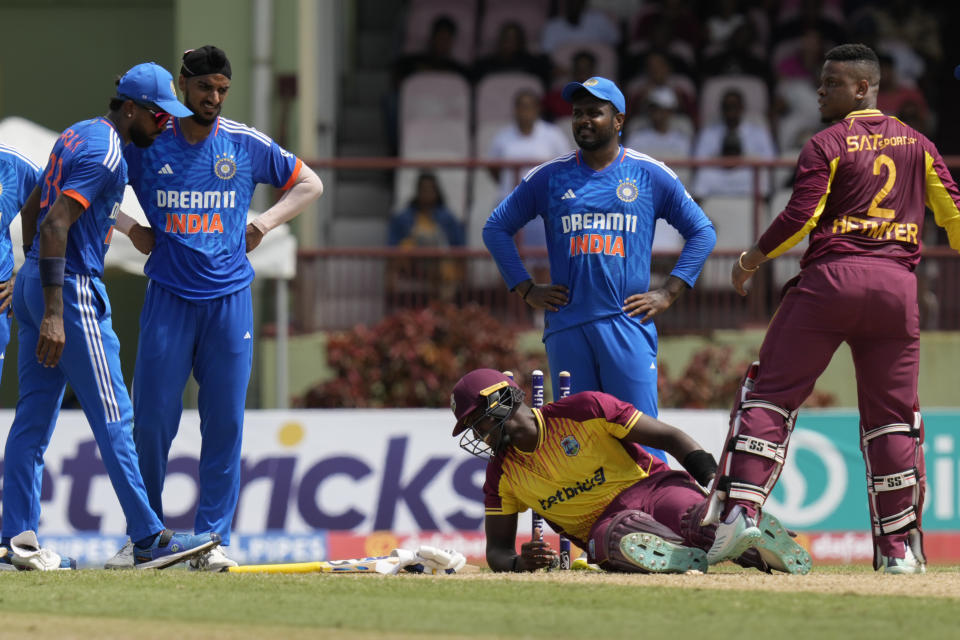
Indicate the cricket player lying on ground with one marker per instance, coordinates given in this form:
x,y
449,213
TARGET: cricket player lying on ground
x,y
579,463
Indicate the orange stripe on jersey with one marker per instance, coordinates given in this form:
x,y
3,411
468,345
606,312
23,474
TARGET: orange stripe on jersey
x,y
940,201
787,244
293,176
76,196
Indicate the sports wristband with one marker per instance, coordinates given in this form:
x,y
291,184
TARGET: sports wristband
x,y
740,264
701,465
51,271
527,292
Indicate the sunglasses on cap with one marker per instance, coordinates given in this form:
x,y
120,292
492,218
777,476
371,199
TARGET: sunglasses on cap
x,y
160,116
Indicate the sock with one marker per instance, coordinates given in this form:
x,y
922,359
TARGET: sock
x,y
146,542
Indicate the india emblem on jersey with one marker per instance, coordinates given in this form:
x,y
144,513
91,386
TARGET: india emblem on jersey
x,y
225,167
627,190
570,446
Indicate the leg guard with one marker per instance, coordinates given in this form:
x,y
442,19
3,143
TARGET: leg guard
x,y
633,542
896,484
757,487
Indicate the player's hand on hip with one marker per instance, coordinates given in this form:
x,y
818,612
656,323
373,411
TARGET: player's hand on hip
x,y
536,554
647,304
51,341
6,295
547,296
254,237
142,238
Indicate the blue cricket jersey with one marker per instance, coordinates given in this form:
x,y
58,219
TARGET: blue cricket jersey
x,y
599,227
87,165
18,177
196,197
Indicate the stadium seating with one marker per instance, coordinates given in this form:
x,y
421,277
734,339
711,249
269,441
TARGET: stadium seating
x,y
607,64
756,96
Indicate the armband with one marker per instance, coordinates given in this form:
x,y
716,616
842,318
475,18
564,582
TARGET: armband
x,y
701,465
51,271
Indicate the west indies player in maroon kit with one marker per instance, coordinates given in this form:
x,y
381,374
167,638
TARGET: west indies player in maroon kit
x,y
860,191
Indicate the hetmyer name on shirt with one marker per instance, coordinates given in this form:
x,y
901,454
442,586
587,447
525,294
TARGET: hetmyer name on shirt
x,y
568,493
195,222
608,244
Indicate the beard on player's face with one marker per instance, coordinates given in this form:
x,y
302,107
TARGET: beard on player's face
x,y
142,137
193,102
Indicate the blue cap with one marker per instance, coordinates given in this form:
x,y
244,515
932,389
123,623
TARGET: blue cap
x,y
149,82
601,88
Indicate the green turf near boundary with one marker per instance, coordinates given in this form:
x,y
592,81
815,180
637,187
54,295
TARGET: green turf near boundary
x,y
182,604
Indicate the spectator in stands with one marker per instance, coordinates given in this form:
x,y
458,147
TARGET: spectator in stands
x,y
512,54
795,110
436,56
738,57
901,99
578,23
657,137
658,74
675,17
583,65
662,40
732,137
528,137
426,221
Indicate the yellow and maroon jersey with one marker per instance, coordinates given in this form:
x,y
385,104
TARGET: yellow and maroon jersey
x,y
860,189
579,466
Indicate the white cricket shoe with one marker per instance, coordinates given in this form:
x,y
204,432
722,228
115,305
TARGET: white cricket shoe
x,y
29,555
737,533
214,560
122,559
899,566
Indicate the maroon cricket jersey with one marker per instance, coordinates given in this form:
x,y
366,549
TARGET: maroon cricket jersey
x,y
580,464
860,189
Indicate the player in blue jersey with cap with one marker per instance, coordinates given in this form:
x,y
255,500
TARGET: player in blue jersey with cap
x,y
600,205
195,184
66,333
18,176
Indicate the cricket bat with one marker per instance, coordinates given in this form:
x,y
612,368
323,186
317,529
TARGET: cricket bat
x,y
372,565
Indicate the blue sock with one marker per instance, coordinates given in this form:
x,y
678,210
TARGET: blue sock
x,y
146,542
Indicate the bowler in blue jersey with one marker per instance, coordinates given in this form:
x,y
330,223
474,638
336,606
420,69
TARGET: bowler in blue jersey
x,y
195,184
600,205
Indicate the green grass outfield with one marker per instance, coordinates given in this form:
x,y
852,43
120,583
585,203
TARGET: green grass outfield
x,y
831,602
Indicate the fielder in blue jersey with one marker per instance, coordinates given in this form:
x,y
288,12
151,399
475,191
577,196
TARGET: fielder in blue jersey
x,y
600,206
18,177
195,184
65,331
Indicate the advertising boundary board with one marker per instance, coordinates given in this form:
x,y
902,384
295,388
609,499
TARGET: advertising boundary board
x,y
328,482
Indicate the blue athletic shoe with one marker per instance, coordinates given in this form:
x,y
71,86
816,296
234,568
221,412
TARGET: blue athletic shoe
x,y
653,554
170,548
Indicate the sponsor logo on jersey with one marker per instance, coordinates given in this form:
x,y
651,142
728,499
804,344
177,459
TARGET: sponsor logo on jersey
x,y
627,190
568,195
165,170
568,493
196,199
570,446
607,244
225,167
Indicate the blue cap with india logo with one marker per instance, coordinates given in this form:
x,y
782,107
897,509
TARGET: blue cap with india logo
x,y
599,87
149,82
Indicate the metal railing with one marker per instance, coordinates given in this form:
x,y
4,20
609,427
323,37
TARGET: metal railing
x,y
340,287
